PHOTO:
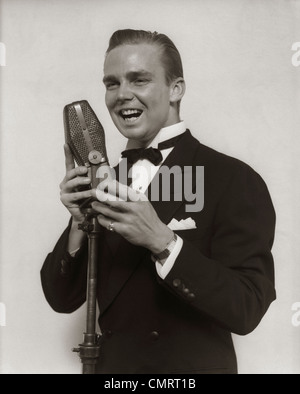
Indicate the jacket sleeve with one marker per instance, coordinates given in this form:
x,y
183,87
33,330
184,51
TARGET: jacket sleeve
x,y
234,284
64,277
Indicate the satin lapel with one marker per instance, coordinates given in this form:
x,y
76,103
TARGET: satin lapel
x,y
181,156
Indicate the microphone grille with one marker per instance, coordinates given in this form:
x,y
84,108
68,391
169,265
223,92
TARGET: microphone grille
x,y
74,133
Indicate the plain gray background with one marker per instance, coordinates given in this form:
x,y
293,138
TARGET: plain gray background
x,y
242,99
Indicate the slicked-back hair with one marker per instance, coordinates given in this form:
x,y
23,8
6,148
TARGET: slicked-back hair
x,y
170,56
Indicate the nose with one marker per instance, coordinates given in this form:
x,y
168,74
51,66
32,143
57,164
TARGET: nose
x,y
124,92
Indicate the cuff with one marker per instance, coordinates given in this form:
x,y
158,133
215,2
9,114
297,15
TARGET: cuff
x,y
72,254
163,270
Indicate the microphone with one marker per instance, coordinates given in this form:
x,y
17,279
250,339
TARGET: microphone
x,y
85,136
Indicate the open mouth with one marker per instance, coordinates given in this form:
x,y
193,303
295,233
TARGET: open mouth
x,y
130,115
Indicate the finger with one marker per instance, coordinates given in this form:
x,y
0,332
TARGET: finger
x,y
78,171
114,188
69,160
117,191
128,194
109,186
67,198
110,201
105,197
135,195
108,211
106,222
70,186
114,202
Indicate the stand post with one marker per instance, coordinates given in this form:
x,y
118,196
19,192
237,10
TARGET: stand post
x,y
89,350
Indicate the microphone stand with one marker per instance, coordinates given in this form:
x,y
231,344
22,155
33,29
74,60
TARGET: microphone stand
x,y
89,350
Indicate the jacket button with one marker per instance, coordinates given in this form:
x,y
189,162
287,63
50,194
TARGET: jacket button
x,y
191,296
176,282
186,291
154,335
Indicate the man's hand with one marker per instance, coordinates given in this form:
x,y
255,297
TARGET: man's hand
x,y
132,216
69,194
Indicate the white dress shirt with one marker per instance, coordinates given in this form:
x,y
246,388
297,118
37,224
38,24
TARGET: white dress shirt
x,y
143,171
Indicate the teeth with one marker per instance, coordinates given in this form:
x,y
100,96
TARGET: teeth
x,y
127,112
130,119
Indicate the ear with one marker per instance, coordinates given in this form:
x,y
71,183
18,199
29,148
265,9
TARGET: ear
x,y
177,90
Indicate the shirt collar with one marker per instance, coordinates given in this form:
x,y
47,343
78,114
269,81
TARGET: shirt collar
x,y
164,134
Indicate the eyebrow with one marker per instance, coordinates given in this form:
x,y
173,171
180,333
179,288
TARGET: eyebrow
x,y
130,75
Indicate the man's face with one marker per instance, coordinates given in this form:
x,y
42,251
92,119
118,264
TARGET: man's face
x,y
137,95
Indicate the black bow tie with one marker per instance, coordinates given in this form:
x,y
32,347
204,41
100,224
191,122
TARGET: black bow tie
x,y
152,154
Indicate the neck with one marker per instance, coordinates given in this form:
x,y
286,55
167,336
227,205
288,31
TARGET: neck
x,y
144,144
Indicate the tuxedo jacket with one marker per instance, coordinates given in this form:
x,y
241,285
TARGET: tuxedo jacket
x,y
222,282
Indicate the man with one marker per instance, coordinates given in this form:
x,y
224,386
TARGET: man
x,y
169,297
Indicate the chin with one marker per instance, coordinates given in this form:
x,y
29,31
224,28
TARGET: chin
x,y
133,133
130,135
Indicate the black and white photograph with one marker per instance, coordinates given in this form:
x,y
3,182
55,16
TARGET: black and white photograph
x,y
150,202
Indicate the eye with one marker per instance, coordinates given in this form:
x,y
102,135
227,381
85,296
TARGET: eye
x,y
111,84
141,81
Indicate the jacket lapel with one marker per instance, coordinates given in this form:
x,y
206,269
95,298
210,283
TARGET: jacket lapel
x,y
179,159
